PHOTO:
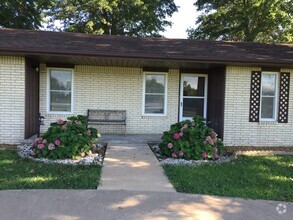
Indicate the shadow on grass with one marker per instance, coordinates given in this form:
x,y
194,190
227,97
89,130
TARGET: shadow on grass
x,y
17,173
255,177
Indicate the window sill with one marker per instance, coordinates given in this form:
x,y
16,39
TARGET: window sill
x,y
152,116
60,113
267,123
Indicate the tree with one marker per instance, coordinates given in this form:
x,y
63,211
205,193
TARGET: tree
x,y
22,14
115,17
244,20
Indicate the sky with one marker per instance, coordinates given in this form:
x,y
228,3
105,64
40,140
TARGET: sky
x,y
182,20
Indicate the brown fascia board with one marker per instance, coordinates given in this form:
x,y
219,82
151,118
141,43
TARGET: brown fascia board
x,y
217,60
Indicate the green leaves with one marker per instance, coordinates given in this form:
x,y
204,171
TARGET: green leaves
x,y
66,139
192,139
24,14
253,20
113,17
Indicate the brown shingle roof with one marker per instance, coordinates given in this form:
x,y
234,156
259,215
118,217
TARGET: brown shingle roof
x,y
16,41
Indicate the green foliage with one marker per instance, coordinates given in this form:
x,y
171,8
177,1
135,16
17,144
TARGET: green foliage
x,y
66,139
251,20
191,140
254,177
22,14
113,17
18,173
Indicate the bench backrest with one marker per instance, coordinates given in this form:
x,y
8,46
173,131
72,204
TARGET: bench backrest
x,y
106,115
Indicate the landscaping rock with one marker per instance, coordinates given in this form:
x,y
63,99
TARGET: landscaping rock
x,y
97,156
163,161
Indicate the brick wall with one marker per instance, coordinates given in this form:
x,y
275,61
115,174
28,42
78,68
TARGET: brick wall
x,y
238,131
120,88
12,99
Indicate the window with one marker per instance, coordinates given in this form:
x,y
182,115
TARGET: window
x,y
268,103
60,97
154,97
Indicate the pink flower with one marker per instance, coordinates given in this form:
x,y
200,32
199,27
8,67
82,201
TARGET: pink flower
x,y
184,127
216,156
170,145
33,153
204,155
41,146
39,140
210,140
176,136
69,122
78,122
180,153
215,149
88,132
94,146
174,155
51,146
57,142
181,134
44,141
60,121
33,144
64,126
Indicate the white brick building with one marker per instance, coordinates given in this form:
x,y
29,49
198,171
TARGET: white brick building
x,y
243,89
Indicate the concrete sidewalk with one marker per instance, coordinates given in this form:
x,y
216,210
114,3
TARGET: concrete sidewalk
x,y
104,205
133,167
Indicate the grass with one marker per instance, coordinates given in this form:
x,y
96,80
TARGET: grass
x,y
17,173
254,177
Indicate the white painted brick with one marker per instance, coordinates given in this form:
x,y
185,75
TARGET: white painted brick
x,y
12,99
117,88
238,131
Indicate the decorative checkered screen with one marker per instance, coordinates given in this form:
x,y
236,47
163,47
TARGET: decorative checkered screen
x,y
284,97
255,96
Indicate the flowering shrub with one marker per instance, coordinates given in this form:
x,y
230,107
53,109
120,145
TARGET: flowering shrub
x,y
191,140
66,139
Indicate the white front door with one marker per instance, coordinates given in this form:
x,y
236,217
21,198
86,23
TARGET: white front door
x,y
193,96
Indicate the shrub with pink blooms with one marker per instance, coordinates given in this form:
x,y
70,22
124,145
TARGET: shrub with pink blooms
x,y
66,139
191,140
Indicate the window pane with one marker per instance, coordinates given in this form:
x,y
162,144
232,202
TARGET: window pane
x,y
154,104
60,80
193,86
192,107
60,108
267,107
60,101
268,84
155,83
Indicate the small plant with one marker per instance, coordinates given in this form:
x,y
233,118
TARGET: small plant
x,y
191,140
66,139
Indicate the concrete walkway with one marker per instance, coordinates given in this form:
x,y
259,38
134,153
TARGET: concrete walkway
x,y
107,204
133,167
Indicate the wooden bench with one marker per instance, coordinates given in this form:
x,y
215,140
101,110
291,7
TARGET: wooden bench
x,y
106,117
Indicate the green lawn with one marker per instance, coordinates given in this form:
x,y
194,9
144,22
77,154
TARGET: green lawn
x,y
17,173
255,177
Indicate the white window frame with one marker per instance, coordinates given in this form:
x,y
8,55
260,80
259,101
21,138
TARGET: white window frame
x,y
144,94
49,92
276,96
205,97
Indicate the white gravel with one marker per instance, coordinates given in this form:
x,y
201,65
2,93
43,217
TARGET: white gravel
x,y
172,161
26,150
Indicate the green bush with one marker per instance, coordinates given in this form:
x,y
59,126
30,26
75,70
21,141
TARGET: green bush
x,y
66,139
191,140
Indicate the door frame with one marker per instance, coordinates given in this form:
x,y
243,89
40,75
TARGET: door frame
x,y
181,118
